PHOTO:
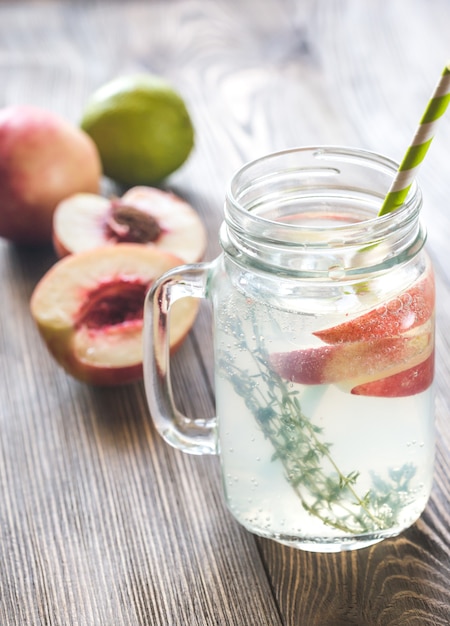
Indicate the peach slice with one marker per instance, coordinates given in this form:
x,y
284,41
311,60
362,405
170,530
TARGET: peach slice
x,y
410,382
403,313
144,215
89,306
360,361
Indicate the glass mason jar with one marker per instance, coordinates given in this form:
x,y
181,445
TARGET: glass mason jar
x,y
323,318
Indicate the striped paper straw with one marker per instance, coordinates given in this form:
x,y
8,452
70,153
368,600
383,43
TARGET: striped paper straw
x,y
422,139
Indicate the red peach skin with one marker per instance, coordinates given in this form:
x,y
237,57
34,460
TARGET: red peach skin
x,y
401,314
43,159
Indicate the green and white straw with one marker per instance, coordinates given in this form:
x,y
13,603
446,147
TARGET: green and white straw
x,y
422,139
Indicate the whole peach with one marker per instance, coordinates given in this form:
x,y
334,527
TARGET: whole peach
x,y
43,159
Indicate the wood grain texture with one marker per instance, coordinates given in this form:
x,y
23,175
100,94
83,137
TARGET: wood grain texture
x,y
101,523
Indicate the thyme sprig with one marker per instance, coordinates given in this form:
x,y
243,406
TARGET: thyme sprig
x,y
324,491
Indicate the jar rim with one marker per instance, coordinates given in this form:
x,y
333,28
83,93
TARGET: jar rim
x,y
304,210
360,156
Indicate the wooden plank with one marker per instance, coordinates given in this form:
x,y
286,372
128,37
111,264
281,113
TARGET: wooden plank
x,y
103,523
394,582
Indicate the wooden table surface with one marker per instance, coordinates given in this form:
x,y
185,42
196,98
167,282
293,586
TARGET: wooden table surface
x,y
101,522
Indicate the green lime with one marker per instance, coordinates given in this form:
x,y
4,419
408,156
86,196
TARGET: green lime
x,y
141,127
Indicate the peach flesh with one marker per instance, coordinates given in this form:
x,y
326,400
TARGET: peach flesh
x,y
363,361
407,383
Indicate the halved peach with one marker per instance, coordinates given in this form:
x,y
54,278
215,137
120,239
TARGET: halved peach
x,y
143,215
89,308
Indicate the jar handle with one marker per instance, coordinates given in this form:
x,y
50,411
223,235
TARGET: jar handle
x,y
195,436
